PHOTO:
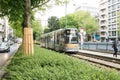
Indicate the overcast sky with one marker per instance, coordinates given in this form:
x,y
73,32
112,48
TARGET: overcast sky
x,y
60,11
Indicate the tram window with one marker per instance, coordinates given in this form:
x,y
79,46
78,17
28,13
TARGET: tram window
x,y
71,40
71,32
74,40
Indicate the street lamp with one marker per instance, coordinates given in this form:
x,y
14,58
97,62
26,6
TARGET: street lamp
x,y
66,13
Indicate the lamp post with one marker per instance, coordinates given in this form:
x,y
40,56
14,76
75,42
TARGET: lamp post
x,y
66,14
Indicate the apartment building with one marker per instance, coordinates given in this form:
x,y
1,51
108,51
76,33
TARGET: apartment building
x,y
1,29
103,20
113,10
84,7
5,30
108,19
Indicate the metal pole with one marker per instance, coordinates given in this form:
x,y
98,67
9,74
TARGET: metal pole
x,y
66,14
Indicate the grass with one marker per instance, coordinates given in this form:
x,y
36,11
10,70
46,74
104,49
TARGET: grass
x,y
51,65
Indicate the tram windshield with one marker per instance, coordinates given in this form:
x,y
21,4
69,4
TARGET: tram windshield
x,y
71,36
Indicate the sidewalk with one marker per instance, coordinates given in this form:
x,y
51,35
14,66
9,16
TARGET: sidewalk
x,y
100,53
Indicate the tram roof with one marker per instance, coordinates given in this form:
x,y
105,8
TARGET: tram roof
x,y
58,31
71,28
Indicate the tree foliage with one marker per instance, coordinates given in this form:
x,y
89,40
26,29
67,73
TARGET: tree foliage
x,y
118,21
37,28
17,28
119,25
53,23
21,10
80,19
15,9
71,21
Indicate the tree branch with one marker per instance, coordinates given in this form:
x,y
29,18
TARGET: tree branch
x,y
40,4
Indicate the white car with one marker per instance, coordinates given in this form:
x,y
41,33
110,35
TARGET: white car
x,y
4,47
19,40
10,42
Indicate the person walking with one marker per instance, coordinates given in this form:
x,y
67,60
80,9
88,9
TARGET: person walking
x,y
115,42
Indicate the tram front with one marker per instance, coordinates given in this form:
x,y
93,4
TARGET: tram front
x,y
71,40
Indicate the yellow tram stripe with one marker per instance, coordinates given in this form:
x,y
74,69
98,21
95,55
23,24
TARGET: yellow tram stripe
x,y
71,45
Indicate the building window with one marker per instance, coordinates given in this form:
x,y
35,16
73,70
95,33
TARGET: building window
x,y
110,34
113,1
113,7
118,5
113,14
113,33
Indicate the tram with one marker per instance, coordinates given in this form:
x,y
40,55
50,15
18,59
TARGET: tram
x,y
61,40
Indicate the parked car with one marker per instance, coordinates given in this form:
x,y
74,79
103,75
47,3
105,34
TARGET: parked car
x,y
4,47
10,42
19,40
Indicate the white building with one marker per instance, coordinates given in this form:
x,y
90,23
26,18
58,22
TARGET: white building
x,y
93,11
103,20
5,30
113,9
109,10
1,29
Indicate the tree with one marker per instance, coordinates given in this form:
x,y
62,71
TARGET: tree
x,y
53,23
119,25
80,19
71,21
22,9
37,28
17,27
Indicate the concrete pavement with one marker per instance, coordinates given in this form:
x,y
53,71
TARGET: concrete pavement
x,y
100,53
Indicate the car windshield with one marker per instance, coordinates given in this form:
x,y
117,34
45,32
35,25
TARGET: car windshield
x,y
3,44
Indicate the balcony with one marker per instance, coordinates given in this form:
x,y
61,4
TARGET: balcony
x,y
103,7
103,34
103,25
103,30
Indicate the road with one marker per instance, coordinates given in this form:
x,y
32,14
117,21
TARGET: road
x,y
4,57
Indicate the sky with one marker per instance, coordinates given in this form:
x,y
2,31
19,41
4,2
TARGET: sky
x,y
60,11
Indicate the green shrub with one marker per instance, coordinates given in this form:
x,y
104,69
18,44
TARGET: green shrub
x,y
51,65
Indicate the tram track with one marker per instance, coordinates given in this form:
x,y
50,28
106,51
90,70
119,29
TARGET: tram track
x,y
98,59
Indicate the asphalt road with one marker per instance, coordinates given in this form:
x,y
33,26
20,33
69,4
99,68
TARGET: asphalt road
x,y
4,57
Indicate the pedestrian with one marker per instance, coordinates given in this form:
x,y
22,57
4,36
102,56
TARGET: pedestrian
x,y
114,46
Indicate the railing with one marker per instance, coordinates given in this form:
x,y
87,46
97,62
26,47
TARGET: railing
x,y
99,46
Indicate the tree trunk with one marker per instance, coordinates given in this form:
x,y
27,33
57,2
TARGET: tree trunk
x,y
28,41
27,30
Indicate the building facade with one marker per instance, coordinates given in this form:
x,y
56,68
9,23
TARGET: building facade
x,y
5,30
108,19
103,20
1,29
113,10
84,7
